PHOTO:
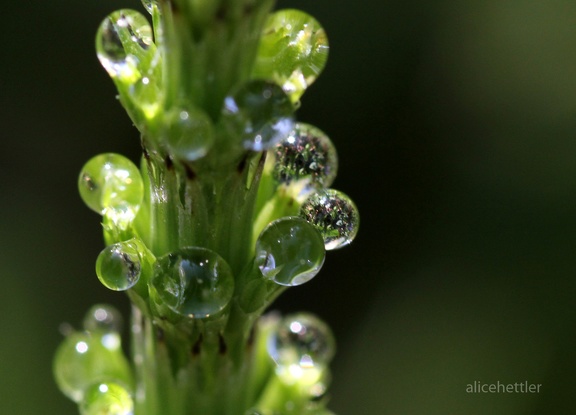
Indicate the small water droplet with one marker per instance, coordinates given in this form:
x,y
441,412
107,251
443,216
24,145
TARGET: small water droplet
x,y
119,265
110,183
103,318
290,251
106,398
82,359
260,113
193,282
188,132
306,158
150,4
293,51
147,95
302,340
334,214
123,38
318,391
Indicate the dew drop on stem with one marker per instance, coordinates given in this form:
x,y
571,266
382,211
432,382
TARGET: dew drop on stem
x,y
102,318
85,358
260,113
149,5
188,132
293,51
119,265
111,183
107,398
290,251
122,40
193,282
334,214
306,157
301,339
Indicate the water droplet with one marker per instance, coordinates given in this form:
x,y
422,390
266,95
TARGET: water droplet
x,y
334,214
260,113
293,51
260,412
149,5
103,318
290,251
107,398
318,391
147,95
312,410
193,282
189,132
306,158
123,39
83,359
119,265
302,340
110,183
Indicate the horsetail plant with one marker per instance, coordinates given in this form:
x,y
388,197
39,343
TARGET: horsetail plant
x,y
230,206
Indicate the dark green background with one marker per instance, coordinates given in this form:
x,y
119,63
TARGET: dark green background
x,y
455,124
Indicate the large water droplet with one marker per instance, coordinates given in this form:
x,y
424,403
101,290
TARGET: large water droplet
x,y
290,251
306,158
193,282
119,265
189,132
85,358
293,51
260,113
303,340
106,398
111,184
103,318
334,214
123,39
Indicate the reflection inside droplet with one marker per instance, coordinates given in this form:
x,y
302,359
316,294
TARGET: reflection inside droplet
x,y
335,216
81,347
111,341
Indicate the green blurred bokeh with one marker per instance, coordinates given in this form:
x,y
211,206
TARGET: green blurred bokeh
x,y
456,128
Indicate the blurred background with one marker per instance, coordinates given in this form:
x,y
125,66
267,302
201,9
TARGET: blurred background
x,y
455,123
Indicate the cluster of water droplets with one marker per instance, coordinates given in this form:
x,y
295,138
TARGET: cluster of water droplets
x,y
90,367
290,250
306,163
